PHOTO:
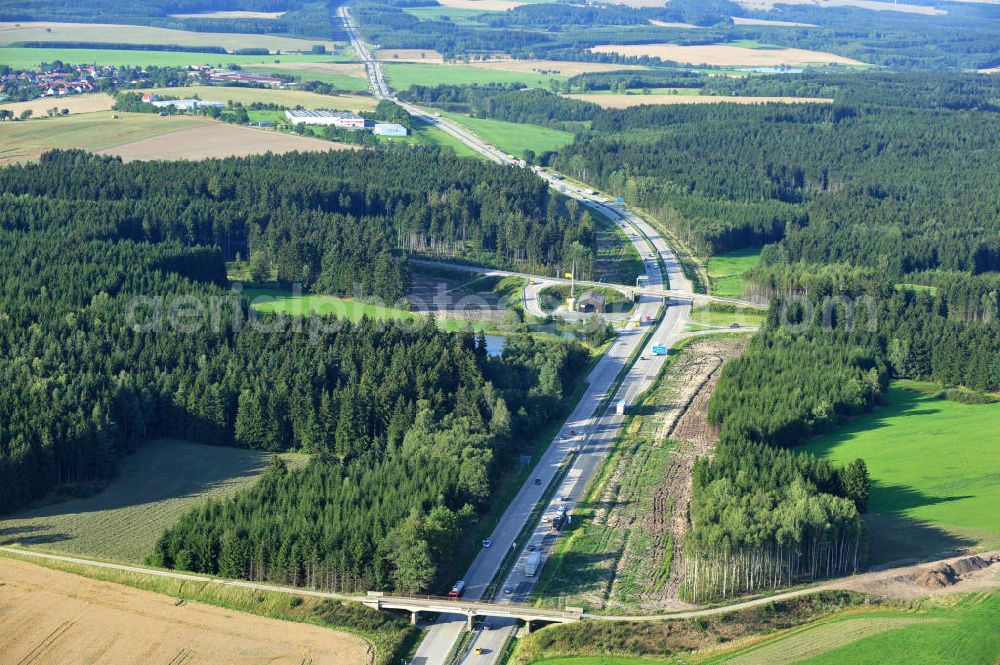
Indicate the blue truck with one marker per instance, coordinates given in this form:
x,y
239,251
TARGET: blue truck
x,y
659,349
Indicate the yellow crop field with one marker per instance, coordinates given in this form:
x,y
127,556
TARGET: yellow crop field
x,y
86,103
51,617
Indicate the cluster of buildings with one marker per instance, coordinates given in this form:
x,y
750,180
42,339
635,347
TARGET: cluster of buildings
x,y
344,120
235,77
186,104
59,83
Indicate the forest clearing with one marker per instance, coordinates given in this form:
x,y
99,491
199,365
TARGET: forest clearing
x,y
155,485
933,465
51,617
625,552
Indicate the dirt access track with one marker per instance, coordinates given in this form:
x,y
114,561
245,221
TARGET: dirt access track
x,y
51,617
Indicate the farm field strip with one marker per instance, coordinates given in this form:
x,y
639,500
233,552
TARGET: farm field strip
x,y
24,58
404,75
49,31
219,139
25,141
726,54
85,103
52,617
514,137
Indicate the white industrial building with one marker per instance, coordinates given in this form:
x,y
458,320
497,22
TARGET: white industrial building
x,y
188,104
389,129
344,119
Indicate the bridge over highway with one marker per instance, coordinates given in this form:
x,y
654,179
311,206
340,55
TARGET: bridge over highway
x,y
470,609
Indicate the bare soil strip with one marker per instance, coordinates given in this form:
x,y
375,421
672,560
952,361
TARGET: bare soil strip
x,y
50,617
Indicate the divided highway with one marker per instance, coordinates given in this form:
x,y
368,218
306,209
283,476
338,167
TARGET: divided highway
x,y
590,430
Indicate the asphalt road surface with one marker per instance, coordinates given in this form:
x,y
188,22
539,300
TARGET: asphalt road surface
x,y
594,432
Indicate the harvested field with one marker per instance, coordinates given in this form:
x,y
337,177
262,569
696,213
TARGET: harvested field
x,y
26,141
726,54
409,55
47,31
482,5
233,14
873,5
52,617
86,103
740,20
219,140
617,101
289,98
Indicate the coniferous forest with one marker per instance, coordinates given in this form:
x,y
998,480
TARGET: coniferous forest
x,y
407,424
878,220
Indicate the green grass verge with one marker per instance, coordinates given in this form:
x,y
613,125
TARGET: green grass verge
x,y
934,469
726,270
722,315
514,137
403,75
618,260
390,636
155,485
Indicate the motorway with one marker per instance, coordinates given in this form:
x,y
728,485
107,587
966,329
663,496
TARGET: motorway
x,y
587,436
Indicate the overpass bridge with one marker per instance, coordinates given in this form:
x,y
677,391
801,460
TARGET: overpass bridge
x,y
678,295
469,608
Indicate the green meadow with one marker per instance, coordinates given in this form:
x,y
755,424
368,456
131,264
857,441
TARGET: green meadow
x,y
404,75
278,300
949,630
934,467
726,270
514,137
454,14
154,486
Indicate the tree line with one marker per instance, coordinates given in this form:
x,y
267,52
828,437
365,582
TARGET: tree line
x,y
859,183
324,219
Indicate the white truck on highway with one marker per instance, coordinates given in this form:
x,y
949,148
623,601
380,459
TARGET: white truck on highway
x,y
531,566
